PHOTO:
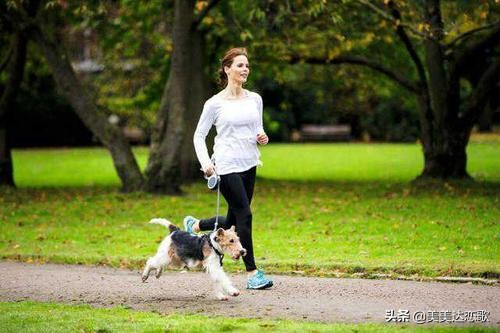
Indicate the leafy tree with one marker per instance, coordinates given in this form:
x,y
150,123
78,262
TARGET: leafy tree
x,y
290,42
14,61
41,22
172,156
435,69
186,89
132,41
182,58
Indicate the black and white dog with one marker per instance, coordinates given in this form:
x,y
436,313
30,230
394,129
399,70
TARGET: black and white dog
x,y
181,249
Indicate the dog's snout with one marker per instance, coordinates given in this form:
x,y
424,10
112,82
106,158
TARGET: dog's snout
x,y
243,252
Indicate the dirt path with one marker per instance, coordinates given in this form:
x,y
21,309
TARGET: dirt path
x,y
318,299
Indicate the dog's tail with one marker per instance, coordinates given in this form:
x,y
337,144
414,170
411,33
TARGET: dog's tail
x,y
166,223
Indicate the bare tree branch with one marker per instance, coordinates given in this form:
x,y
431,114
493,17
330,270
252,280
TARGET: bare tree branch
x,y
16,67
51,45
6,59
17,19
204,12
390,18
358,60
426,115
401,32
471,32
15,70
467,52
485,86
19,22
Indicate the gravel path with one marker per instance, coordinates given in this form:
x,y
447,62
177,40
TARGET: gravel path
x,y
318,299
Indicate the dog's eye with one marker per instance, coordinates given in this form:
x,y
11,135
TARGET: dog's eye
x,y
231,241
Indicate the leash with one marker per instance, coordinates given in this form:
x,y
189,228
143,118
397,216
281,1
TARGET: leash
x,y
212,182
218,205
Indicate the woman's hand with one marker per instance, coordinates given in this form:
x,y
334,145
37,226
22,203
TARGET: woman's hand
x,y
209,170
262,138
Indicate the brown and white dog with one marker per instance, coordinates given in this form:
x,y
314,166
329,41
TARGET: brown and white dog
x,y
183,250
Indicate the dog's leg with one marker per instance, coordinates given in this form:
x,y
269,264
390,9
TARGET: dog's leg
x,y
157,263
160,260
158,272
222,283
227,284
219,293
147,269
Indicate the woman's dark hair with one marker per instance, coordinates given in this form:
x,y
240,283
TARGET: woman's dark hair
x,y
227,61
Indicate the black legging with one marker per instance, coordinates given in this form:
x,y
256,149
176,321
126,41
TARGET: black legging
x,y
237,189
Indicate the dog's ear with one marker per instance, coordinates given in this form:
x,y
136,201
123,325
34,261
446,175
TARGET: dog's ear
x,y
220,232
232,228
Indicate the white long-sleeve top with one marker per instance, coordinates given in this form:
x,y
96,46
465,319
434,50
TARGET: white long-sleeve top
x,y
237,123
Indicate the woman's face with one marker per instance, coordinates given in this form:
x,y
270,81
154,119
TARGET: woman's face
x,y
239,70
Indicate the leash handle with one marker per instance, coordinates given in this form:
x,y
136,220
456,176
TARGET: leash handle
x,y
212,182
218,204
217,181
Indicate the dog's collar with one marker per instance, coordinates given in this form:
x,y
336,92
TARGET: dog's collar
x,y
209,239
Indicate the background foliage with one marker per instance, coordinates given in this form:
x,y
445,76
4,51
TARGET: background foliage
x,y
133,41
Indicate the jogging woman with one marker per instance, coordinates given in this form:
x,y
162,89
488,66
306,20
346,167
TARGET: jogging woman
x,y
237,116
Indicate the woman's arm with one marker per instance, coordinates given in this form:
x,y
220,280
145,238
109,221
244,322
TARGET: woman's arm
x,y
206,121
261,135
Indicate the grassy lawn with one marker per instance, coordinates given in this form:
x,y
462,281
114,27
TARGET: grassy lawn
x,y
324,209
47,317
292,162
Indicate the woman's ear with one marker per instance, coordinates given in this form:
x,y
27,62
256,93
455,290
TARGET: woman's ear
x,y
226,70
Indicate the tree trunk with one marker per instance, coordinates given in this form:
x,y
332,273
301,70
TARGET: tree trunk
x,y
447,157
164,166
15,70
444,149
485,122
444,141
199,91
69,85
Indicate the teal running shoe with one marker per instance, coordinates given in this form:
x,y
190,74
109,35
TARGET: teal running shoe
x,y
259,281
189,222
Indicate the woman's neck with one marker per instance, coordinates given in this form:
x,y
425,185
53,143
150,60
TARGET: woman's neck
x,y
234,91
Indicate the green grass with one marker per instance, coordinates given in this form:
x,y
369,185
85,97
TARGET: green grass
x,y
366,162
49,317
326,209
294,162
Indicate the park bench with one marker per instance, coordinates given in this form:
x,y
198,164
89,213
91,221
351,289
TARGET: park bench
x,y
325,133
134,134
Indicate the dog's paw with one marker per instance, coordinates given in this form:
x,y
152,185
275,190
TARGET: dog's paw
x,y
144,278
222,297
233,292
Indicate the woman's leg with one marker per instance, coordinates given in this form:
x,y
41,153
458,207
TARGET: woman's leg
x,y
249,182
235,192
227,222
209,224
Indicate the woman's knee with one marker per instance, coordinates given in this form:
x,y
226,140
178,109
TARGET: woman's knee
x,y
244,215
